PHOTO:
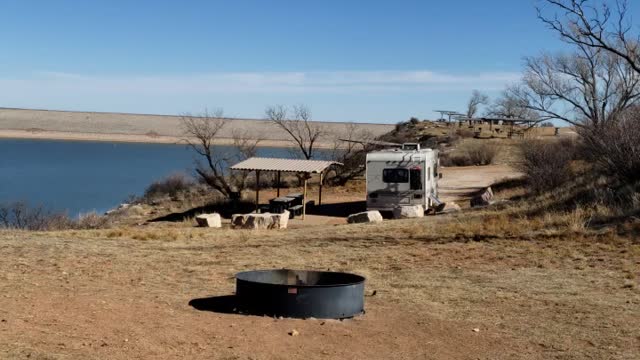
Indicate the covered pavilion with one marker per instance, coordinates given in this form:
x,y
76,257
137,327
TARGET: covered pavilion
x,y
280,165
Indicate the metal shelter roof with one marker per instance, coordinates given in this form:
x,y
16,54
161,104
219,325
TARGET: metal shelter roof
x,y
285,165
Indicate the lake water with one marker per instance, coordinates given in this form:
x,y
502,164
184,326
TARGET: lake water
x,y
79,176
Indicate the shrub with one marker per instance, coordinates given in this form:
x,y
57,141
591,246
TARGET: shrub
x,y
465,133
615,146
546,164
481,153
19,215
470,154
170,185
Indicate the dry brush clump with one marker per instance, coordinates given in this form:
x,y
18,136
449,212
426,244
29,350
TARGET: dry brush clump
x,y
21,216
470,154
615,146
169,186
546,164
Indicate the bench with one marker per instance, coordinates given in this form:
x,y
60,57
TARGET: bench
x,y
295,211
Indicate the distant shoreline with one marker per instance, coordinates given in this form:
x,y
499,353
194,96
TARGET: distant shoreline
x,y
154,129
131,138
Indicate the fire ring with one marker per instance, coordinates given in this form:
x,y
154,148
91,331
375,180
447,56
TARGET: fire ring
x,y
300,293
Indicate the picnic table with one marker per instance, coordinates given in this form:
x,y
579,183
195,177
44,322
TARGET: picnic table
x,y
280,204
298,198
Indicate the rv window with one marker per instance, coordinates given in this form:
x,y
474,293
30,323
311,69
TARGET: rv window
x,y
416,181
395,175
435,171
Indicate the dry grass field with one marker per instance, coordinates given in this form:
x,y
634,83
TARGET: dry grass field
x,y
481,284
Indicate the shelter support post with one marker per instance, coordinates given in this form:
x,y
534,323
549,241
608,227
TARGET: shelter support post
x,y
304,198
278,183
320,189
257,190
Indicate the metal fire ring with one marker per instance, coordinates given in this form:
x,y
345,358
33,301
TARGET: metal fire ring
x,y
300,293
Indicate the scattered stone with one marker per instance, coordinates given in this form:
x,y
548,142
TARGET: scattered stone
x,y
365,217
260,221
209,220
484,198
294,332
136,210
450,207
281,220
408,212
252,221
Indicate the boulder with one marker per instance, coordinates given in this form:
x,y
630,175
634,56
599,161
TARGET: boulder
x,y
484,198
450,207
209,220
365,217
252,221
407,212
260,221
281,220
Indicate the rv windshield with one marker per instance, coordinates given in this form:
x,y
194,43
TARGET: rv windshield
x,y
395,175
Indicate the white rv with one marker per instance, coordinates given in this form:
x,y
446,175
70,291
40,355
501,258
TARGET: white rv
x,y
402,176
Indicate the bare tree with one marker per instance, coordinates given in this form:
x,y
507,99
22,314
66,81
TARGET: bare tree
x,y
246,146
350,148
477,99
201,132
511,107
594,24
586,88
299,126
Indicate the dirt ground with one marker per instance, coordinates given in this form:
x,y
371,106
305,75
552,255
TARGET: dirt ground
x,y
456,185
471,285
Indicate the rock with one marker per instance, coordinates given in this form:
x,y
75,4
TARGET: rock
x,y
476,330
365,217
484,198
260,221
407,212
450,207
281,220
136,210
294,332
209,220
252,221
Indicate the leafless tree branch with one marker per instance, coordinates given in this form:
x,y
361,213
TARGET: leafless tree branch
x,y
300,128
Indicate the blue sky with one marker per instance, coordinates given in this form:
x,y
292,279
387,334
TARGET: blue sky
x,y
376,61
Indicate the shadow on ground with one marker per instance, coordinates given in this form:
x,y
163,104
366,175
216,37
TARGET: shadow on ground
x,y
225,210
343,209
225,304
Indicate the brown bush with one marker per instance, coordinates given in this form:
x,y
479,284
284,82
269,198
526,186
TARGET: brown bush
x,y
615,146
19,215
470,154
169,186
546,164
465,133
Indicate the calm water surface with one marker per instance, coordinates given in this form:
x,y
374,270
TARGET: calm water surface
x,y
86,176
